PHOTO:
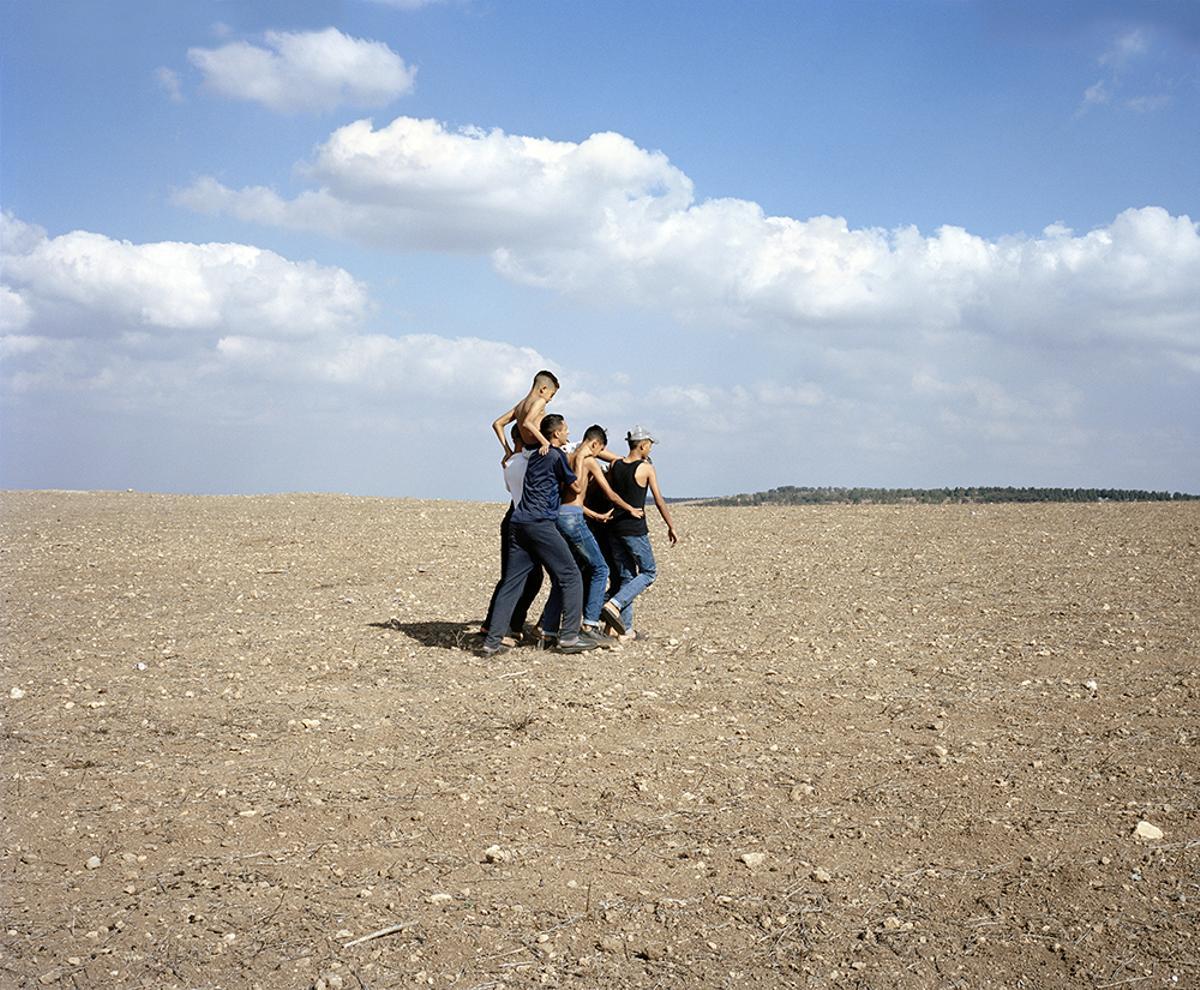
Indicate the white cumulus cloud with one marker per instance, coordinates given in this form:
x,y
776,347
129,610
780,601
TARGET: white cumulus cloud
x,y
86,284
83,310
168,82
607,219
306,71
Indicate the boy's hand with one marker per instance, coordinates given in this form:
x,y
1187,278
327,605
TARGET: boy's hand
x,y
606,517
544,449
637,513
671,535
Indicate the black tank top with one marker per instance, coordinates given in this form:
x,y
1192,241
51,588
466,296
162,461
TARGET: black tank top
x,y
595,499
622,479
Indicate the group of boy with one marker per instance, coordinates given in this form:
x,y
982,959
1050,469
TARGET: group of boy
x,y
584,525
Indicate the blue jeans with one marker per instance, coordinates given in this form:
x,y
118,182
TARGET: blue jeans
x,y
591,563
538,544
636,570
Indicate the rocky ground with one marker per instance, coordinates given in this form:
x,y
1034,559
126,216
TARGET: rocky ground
x,y
876,746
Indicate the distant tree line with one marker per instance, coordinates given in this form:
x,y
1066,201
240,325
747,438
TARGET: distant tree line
x,y
793,495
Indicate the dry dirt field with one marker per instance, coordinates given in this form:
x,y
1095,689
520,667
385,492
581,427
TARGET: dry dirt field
x,y
869,747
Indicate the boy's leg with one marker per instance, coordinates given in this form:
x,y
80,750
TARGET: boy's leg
x,y
533,584
636,556
546,544
520,563
505,539
603,540
552,611
591,563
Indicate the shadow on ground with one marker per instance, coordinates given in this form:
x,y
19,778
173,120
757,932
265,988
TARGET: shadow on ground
x,y
451,635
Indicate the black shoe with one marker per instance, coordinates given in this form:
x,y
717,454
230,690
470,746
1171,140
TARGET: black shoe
x,y
581,645
598,637
492,651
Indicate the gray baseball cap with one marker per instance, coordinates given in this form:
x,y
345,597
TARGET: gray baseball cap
x,y
639,433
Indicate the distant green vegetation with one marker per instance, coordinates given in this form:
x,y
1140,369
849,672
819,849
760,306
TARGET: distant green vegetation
x,y
792,495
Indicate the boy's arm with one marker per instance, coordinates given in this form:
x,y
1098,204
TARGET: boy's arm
x,y
599,517
598,475
663,511
608,456
498,428
532,422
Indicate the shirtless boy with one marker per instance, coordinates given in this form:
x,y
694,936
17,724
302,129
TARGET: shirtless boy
x,y
527,414
571,523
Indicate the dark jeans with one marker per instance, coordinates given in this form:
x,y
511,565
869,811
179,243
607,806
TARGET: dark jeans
x,y
534,544
604,542
533,583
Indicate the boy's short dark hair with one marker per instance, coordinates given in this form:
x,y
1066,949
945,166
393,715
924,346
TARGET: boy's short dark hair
x,y
545,377
550,423
595,432
515,433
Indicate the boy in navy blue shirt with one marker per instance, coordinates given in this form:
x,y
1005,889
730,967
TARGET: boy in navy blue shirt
x,y
536,541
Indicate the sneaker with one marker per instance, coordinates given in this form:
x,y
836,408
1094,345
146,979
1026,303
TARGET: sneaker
x,y
602,640
491,651
581,645
633,635
611,615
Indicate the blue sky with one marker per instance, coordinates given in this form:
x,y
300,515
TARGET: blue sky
x,y
316,245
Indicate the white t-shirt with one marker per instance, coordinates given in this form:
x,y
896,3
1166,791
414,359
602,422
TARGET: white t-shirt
x,y
514,475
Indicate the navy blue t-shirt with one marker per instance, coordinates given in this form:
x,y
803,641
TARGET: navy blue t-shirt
x,y
542,494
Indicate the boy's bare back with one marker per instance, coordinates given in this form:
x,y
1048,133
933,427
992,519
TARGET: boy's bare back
x,y
528,413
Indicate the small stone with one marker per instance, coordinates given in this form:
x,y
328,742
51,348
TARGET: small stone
x,y
650,951
496,854
1148,832
441,898
753,860
334,981
1091,685
93,863
800,792
822,875
311,723
610,943
16,694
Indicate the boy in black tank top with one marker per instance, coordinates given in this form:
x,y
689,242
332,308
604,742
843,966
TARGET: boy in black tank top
x,y
630,478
